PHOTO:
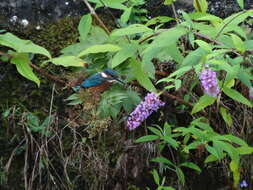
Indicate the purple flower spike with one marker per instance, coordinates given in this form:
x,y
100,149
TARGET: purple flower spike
x,y
150,104
209,82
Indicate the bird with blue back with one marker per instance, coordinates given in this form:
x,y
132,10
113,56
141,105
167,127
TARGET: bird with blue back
x,y
99,82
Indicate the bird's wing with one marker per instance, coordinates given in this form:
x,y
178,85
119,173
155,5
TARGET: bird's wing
x,y
93,80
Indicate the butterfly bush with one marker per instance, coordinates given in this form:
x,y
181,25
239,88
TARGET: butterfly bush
x,y
150,104
209,82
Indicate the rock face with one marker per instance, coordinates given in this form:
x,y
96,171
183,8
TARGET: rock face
x,y
38,12
221,8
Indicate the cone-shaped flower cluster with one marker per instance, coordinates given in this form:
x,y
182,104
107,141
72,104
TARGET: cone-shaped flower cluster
x,y
209,82
150,104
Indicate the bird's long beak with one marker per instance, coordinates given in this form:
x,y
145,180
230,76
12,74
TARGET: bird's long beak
x,y
122,82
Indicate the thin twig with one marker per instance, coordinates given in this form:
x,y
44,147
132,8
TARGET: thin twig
x,y
94,14
177,99
214,41
43,72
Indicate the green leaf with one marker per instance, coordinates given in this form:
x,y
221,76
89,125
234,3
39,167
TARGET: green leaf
x,y
244,75
174,52
230,23
180,175
211,18
115,4
125,16
32,120
226,116
178,84
156,177
68,61
168,2
22,46
170,141
203,102
245,150
72,97
210,158
180,72
96,36
194,57
99,49
236,96
192,145
229,149
126,52
204,45
236,140
155,131
132,29
141,76
75,102
191,165
22,63
200,5
159,19
167,38
241,3
212,151
147,138
84,26
163,161
234,167
238,43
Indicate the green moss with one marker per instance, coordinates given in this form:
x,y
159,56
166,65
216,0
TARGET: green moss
x,y
55,36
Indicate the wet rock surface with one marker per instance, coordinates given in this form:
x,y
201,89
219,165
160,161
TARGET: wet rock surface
x,y
221,8
38,12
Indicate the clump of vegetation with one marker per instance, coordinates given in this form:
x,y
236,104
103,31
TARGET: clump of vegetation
x,y
199,124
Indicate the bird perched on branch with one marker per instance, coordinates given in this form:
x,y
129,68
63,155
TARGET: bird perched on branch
x,y
99,82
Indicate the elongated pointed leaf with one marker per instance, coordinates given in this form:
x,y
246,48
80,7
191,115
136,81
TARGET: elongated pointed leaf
x,y
84,26
132,29
238,43
226,116
236,96
203,102
22,46
241,3
163,160
191,165
68,61
126,52
147,138
142,77
22,64
99,49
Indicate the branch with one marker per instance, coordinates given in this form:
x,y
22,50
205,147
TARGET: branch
x,y
94,14
214,41
177,99
39,70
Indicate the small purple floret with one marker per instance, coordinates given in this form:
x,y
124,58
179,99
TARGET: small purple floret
x,y
209,82
243,183
150,104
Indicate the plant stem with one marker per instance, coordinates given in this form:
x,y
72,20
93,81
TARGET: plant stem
x,y
94,14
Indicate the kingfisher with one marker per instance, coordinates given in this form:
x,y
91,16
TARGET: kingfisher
x,y
99,82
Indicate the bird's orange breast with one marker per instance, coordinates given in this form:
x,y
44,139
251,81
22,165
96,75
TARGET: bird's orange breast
x,y
100,88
